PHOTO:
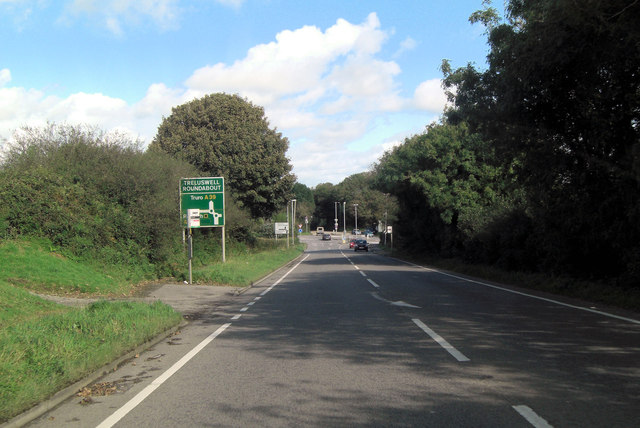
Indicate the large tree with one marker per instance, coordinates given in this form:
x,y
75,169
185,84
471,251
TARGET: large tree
x,y
226,135
561,98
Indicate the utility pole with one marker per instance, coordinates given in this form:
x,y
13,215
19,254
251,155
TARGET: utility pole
x,y
356,209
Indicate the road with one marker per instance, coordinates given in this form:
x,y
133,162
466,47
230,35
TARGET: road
x,y
340,338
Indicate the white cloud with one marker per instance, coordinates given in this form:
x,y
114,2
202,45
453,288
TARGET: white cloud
x,y
114,13
430,96
406,45
5,76
322,89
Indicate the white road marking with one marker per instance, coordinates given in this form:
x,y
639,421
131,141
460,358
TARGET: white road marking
x,y
236,317
398,303
284,276
373,283
582,308
446,345
131,404
251,303
362,273
532,417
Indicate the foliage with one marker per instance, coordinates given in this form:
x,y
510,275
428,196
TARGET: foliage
x,y
446,185
374,206
96,196
226,135
561,101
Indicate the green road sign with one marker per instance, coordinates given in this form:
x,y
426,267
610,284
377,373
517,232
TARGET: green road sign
x,y
205,194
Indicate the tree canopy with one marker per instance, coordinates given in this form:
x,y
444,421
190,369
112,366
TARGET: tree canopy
x,y
560,101
226,135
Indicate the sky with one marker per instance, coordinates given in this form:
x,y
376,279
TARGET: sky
x,y
343,80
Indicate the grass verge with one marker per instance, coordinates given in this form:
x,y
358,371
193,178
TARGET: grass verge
x,y
246,267
45,346
35,265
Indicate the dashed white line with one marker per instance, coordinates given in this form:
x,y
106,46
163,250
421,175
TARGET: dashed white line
x,y
372,282
362,273
532,417
245,309
446,345
236,317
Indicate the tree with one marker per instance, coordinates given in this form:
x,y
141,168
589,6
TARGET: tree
x,y
226,135
445,184
561,99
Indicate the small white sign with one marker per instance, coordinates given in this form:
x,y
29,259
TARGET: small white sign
x,y
389,229
281,228
193,218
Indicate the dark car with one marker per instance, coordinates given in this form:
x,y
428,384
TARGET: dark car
x,y
361,244
326,237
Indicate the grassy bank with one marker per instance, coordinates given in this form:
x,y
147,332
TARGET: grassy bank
x,y
45,346
244,267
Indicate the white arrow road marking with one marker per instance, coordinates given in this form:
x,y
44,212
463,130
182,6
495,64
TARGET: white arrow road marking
x,y
398,303
532,417
435,336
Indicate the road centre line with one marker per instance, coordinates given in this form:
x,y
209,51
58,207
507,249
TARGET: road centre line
x,y
441,341
133,403
531,417
372,282
582,308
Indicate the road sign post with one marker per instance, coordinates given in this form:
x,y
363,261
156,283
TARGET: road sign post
x,y
202,205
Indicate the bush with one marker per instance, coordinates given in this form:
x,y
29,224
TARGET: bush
x,y
95,195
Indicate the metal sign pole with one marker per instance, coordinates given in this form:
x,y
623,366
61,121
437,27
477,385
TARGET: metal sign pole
x,y
190,255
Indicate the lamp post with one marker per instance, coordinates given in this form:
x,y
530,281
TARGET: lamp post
x,y
335,217
293,221
356,210
344,218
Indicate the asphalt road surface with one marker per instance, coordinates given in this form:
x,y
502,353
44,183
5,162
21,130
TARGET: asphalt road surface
x,y
340,338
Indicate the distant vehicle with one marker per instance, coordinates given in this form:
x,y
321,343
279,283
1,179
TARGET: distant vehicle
x,y
319,230
326,237
368,233
355,232
361,244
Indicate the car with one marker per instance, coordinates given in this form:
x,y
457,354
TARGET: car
x,y
361,244
319,230
326,237
368,233
355,232
352,243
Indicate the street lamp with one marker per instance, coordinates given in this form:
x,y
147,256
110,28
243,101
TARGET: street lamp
x,y
293,221
356,209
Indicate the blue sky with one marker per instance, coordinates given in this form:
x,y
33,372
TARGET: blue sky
x,y
342,80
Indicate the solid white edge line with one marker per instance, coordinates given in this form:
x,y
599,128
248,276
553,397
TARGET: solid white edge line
x,y
131,404
441,341
532,417
582,308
